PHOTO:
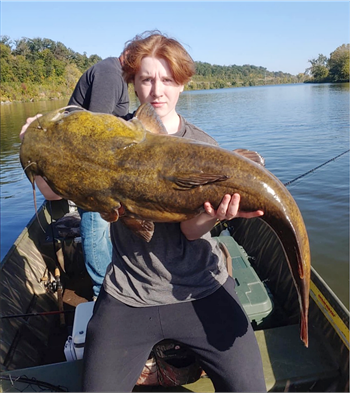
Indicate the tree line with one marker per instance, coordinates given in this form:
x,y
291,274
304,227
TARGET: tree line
x,y
333,69
40,68
216,76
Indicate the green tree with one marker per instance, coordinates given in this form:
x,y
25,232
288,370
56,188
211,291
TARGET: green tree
x,y
40,73
319,68
6,40
22,69
322,60
72,75
339,64
301,77
7,73
320,72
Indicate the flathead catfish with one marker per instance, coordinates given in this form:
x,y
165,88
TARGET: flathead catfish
x,y
132,170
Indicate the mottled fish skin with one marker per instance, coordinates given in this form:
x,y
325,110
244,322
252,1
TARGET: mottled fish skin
x,y
118,168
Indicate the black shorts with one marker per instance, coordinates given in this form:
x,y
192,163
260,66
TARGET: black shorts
x,y
120,338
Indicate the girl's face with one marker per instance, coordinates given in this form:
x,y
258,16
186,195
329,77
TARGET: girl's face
x,y
155,84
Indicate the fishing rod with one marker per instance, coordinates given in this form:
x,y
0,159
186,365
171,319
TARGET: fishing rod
x,y
314,169
58,283
36,314
31,381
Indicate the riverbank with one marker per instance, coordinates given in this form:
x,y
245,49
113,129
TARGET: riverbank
x,y
56,96
31,92
35,100
35,93
28,92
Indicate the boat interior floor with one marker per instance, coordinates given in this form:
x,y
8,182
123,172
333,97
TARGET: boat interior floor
x,y
288,366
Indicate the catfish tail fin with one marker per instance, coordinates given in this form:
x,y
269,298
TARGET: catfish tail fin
x,y
304,329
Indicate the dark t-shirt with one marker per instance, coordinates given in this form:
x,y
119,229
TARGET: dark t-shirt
x,y
102,89
169,269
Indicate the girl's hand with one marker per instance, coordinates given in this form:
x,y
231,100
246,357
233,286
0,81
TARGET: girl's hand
x,y
229,209
203,223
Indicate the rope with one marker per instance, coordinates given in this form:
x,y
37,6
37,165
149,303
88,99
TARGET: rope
x,y
312,170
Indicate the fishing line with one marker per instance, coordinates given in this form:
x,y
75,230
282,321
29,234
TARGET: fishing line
x,y
36,314
314,169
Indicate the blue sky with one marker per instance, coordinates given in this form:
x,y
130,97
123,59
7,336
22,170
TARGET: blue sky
x,y
281,36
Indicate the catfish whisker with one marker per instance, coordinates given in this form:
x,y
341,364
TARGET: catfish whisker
x,y
34,197
36,207
24,169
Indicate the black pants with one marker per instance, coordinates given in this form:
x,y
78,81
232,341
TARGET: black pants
x,y
120,338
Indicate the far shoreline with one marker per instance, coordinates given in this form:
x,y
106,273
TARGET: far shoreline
x,y
41,99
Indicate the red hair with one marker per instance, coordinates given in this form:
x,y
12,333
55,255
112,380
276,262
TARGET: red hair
x,y
155,44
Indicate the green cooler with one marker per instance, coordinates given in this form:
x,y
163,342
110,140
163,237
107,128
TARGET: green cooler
x,y
250,290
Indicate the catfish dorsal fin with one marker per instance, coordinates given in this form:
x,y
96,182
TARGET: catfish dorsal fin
x,y
251,155
149,119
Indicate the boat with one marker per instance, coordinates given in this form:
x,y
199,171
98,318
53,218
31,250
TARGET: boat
x,y
46,301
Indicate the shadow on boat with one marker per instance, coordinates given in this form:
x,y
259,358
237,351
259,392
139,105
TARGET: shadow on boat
x,y
33,339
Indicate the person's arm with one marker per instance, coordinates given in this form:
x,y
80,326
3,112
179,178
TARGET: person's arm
x,y
203,223
105,93
25,126
40,182
108,90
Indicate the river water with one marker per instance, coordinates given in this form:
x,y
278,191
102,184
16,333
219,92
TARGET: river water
x,y
294,127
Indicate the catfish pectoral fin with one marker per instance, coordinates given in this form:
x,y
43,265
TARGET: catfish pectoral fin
x,y
142,228
111,216
185,181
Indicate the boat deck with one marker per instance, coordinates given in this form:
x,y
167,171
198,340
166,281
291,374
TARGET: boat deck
x,y
286,362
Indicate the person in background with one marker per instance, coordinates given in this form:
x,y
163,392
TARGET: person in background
x,y
100,89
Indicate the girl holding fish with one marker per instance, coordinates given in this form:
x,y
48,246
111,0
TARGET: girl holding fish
x,y
175,286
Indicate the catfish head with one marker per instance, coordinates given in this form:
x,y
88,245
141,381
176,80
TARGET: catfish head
x,y
35,132
33,135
